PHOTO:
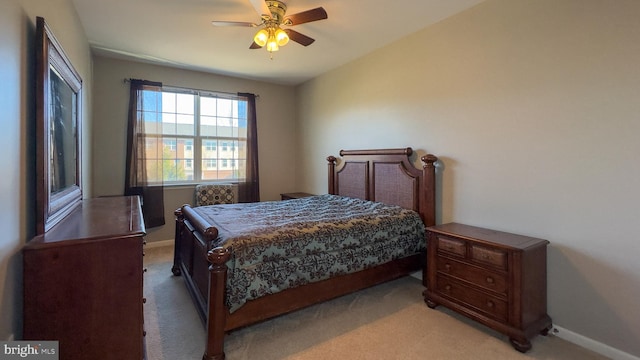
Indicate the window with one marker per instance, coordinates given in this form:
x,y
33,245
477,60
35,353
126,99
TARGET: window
x,y
210,164
210,145
170,145
183,129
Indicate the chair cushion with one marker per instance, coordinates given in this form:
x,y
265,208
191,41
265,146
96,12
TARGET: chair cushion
x,y
212,194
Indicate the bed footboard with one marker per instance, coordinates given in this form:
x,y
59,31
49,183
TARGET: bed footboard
x,y
191,260
193,237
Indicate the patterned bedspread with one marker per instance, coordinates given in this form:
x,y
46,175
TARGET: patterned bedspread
x,y
282,244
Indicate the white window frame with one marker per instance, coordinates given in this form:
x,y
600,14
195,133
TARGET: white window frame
x,y
195,145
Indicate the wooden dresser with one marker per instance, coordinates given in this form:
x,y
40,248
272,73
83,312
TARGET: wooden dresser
x,y
496,278
83,282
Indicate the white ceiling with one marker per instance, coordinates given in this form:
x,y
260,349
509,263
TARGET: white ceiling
x,y
179,33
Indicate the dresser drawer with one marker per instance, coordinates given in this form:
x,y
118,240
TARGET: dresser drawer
x,y
489,305
489,256
451,245
486,279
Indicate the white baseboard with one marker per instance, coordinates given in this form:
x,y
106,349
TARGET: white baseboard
x,y
592,345
161,243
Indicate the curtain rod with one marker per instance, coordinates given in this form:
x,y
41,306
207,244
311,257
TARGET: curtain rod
x,y
126,80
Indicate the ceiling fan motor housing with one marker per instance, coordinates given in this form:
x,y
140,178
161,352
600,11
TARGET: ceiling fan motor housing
x,y
278,9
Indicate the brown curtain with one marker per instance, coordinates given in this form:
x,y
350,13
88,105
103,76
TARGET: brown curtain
x,y
138,181
249,190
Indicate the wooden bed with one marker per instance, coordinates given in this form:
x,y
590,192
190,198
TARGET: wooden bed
x,y
381,175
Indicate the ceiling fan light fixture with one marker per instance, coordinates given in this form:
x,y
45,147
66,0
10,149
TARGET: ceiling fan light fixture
x,y
272,45
281,37
261,37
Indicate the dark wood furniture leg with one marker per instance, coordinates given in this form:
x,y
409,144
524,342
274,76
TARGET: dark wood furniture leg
x,y
523,345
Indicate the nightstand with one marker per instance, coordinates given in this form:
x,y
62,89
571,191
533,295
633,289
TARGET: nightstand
x,y
496,278
295,195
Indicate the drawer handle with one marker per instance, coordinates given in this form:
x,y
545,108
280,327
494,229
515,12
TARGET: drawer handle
x,y
490,280
490,304
447,267
447,287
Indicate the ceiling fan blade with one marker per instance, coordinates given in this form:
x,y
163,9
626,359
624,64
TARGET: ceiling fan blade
x,y
261,8
233,23
305,17
255,46
299,38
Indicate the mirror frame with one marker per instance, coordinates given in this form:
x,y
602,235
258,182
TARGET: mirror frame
x,y
54,206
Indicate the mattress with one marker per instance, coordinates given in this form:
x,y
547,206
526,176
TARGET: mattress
x,y
277,245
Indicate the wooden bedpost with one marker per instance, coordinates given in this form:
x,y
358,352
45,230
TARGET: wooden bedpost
x,y
332,174
178,239
216,317
429,178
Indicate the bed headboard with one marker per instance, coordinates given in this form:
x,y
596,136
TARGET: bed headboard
x,y
386,175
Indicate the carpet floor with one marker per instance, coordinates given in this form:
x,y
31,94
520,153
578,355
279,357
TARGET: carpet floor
x,y
388,321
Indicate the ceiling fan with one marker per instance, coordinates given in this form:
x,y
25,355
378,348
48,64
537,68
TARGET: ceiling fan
x,y
273,15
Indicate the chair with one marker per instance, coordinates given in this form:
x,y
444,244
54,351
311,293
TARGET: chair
x,y
213,194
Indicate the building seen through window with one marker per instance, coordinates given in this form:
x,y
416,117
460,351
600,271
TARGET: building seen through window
x,y
194,136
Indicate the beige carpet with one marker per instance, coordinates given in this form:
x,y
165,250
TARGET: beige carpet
x,y
389,321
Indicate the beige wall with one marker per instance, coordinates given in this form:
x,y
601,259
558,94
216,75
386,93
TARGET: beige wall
x,y
532,107
276,129
17,124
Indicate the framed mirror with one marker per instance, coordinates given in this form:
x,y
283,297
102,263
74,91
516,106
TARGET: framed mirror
x,y
58,121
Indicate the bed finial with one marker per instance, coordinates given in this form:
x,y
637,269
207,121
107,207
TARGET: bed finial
x,y
218,256
429,159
